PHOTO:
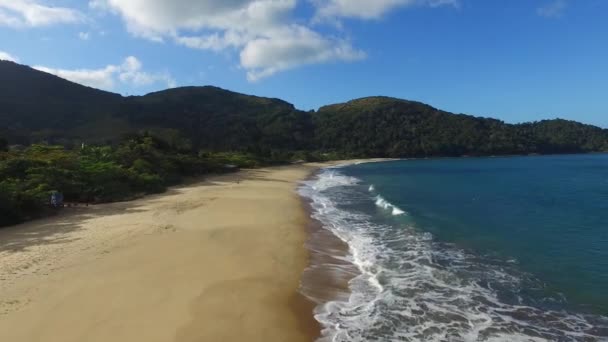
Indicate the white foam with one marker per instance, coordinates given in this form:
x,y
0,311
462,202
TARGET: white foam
x,y
411,289
384,204
397,211
371,188
331,178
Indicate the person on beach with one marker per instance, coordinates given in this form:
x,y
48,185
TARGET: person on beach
x,y
56,199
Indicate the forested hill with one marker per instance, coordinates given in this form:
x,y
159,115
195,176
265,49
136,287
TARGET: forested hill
x,y
35,105
216,119
39,107
389,127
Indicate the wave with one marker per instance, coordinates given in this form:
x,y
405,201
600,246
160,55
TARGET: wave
x,y
410,287
332,178
384,204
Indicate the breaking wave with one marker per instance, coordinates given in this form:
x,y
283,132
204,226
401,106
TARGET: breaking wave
x,y
410,287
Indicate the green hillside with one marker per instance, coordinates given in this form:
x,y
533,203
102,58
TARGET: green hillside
x,y
388,127
217,119
38,107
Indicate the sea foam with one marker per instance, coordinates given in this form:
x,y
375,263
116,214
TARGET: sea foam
x,y
384,204
412,288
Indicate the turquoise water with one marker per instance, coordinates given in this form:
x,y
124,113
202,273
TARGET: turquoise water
x,y
471,249
549,213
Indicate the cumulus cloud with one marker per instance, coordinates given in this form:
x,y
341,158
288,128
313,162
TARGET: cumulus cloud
x,y
84,35
97,78
263,57
129,72
29,13
554,9
5,56
366,9
261,30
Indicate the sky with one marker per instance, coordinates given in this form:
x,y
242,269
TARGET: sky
x,y
515,60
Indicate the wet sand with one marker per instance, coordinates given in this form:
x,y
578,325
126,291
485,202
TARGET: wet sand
x,y
329,269
219,260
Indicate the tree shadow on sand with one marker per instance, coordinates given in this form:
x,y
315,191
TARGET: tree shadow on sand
x,y
57,230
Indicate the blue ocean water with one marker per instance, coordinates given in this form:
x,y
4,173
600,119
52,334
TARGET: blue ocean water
x,y
470,249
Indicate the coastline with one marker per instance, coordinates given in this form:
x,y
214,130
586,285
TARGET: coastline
x,y
410,279
215,260
326,279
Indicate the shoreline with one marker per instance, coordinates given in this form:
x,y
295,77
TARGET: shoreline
x,y
220,259
401,262
327,277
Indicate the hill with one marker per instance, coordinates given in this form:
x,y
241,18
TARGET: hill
x,y
389,127
39,107
36,106
217,119
142,144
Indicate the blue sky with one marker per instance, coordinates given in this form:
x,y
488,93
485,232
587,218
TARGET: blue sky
x,y
516,60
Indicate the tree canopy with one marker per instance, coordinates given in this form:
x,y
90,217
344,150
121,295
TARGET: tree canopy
x,y
142,164
388,127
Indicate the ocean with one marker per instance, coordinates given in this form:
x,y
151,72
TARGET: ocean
x,y
466,249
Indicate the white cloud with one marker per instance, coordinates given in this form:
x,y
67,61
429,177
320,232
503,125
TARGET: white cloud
x,y
84,35
157,19
554,9
215,41
5,56
263,57
129,72
97,78
369,9
29,13
261,30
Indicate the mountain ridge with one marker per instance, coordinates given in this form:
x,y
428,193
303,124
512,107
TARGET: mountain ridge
x,y
40,107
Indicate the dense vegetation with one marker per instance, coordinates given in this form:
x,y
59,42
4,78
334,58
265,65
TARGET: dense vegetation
x,y
36,106
87,143
142,164
387,127
216,119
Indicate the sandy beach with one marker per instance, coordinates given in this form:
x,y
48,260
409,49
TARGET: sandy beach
x,y
216,260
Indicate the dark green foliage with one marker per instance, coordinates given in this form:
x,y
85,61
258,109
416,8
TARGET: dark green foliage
x,y
3,145
219,120
38,107
563,136
387,127
143,164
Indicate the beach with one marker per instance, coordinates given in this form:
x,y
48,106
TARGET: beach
x,y
214,260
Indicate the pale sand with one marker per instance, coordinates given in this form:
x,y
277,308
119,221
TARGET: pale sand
x,y
212,261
